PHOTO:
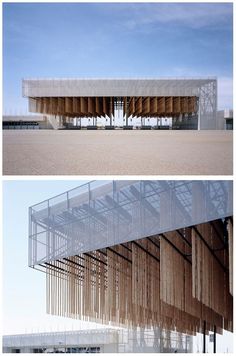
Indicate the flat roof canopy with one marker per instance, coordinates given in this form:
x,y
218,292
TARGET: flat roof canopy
x,y
113,87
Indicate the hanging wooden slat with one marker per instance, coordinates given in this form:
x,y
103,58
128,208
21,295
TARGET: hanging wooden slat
x,y
231,251
172,281
101,106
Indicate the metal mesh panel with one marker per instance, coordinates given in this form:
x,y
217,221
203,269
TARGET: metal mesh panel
x,y
113,87
106,213
207,106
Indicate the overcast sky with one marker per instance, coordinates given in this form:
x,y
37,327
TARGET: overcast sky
x,y
115,40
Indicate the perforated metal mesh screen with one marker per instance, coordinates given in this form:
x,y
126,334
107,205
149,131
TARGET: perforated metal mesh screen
x,y
106,213
114,87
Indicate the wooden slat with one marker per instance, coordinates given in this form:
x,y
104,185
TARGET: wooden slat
x,y
176,105
169,105
153,106
146,106
69,105
184,105
131,106
192,104
138,106
91,106
161,105
84,105
231,252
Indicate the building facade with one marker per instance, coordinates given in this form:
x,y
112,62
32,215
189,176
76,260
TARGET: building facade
x,y
225,119
191,103
25,122
98,341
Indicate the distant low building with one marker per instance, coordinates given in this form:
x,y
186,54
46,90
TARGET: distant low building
x,y
98,341
224,119
26,122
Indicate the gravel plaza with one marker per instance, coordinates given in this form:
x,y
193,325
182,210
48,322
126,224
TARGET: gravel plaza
x,y
118,152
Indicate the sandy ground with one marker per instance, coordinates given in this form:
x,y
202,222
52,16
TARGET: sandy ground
x,y
48,152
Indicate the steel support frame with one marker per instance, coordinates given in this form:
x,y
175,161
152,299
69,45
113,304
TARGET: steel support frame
x,y
207,106
119,216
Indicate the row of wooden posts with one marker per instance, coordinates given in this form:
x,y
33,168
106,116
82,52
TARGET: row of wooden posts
x,y
102,106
